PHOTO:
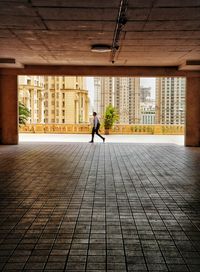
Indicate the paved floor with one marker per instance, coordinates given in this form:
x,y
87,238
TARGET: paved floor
x,y
99,207
85,138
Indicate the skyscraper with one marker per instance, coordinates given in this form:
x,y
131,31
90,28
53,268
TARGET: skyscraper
x,y
65,100
170,100
103,94
121,92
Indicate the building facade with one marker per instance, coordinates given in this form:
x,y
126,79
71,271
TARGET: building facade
x,y
145,94
31,94
170,100
65,100
121,92
147,113
53,99
103,94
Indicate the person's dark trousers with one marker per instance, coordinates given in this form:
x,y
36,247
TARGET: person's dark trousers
x,y
97,132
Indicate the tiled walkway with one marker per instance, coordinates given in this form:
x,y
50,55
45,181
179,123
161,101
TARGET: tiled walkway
x,y
99,207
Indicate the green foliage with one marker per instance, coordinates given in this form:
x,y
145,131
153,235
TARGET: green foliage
x,y
110,117
24,114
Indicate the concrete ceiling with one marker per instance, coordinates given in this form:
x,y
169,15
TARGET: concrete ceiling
x,y
61,32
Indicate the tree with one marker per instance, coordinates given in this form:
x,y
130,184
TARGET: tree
x,y
24,114
110,117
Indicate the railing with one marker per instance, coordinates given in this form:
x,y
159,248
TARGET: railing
x,y
117,129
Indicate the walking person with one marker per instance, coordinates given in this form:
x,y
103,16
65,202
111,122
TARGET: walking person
x,y
96,126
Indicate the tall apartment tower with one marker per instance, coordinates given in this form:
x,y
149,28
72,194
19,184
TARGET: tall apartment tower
x,y
127,99
103,94
170,100
31,95
65,100
121,92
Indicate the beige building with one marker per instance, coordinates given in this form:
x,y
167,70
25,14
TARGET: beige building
x,y
121,92
31,95
103,94
55,99
127,99
65,100
170,100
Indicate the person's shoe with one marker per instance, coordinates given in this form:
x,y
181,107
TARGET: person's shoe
x,y
91,141
104,140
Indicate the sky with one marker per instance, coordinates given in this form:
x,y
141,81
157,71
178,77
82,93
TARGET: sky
x,y
90,88
145,82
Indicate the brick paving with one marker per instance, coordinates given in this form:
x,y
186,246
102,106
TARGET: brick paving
x,y
99,207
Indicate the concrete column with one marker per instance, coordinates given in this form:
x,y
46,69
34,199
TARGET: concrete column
x,y
192,133
8,109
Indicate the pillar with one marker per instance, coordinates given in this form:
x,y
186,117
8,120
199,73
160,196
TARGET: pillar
x,y
8,109
192,130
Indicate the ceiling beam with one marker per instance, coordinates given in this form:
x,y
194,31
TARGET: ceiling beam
x,y
131,71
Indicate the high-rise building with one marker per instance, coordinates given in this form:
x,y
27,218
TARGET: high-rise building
x,y
53,99
65,100
127,99
103,94
170,100
145,94
31,95
121,92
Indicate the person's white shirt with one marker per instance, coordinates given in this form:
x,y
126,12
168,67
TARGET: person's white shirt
x,y
96,121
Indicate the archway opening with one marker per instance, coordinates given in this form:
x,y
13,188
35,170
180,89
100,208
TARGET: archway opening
x,y
60,108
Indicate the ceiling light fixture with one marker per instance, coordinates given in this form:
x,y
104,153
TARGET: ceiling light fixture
x,y
101,48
